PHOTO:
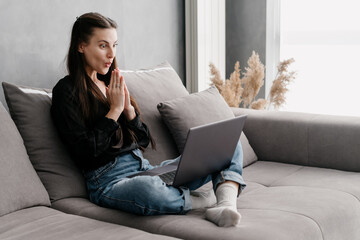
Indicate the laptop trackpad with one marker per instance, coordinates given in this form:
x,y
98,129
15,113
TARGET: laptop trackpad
x,y
156,171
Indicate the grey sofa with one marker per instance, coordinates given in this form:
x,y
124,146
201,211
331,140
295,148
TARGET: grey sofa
x,y
302,173
25,211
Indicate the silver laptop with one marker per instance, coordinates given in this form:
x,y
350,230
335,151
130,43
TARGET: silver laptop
x,y
208,149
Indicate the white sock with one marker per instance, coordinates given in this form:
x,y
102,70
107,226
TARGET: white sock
x,y
202,199
225,214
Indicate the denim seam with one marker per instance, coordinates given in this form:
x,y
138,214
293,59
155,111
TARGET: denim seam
x,y
242,184
222,179
136,204
138,158
99,175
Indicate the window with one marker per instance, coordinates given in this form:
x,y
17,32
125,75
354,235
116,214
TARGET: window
x,y
323,37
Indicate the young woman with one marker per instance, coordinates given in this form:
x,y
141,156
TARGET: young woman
x,y
100,124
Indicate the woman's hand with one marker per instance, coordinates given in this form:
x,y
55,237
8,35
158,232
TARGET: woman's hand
x,y
129,110
115,93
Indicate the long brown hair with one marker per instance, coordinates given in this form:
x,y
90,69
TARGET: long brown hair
x,y
84,88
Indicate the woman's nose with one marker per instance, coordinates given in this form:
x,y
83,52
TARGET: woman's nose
x,y
111,52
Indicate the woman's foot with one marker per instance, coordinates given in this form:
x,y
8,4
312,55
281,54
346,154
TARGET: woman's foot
x,y
225,214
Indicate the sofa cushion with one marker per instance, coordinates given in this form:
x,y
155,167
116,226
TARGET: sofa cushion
x,y
30,110
20,186
181,114
149,87
256,223
330,198
281,201
46,223
273,174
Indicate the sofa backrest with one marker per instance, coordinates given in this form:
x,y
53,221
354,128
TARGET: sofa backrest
x,y
30,110
20,185
308,139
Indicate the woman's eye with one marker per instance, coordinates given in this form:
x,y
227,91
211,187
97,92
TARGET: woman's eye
x,y
115,45
102,46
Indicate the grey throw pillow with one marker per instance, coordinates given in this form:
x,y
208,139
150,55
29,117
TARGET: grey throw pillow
x,y
20,186
30,109
181,114
149,86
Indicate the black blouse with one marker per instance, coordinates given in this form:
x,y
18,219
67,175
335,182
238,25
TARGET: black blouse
x,y
91,146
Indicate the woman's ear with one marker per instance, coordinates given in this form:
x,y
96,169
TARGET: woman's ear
x,y
81,47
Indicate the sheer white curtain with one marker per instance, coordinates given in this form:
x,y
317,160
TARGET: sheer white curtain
x,y
323,36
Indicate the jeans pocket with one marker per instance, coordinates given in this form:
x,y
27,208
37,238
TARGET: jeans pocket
x,y
98,173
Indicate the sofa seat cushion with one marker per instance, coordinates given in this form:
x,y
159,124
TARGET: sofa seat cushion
x,y
281,201
256,223
330,198
46,223
273,174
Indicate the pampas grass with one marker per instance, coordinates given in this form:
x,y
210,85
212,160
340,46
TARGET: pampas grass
x,y
231,89
239,91
259,104
280,85
253,79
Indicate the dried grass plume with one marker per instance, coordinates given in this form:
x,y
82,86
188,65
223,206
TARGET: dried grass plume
x,y
230,89
239,91
280,85
253,79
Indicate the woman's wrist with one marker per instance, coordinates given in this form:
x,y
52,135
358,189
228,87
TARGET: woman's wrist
x,y
114,113
130,113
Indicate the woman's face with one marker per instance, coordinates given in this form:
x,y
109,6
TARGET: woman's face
x,y
100,51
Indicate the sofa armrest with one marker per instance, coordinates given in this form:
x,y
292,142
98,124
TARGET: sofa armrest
x,y
303,138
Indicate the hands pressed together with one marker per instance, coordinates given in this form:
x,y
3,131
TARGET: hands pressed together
x,y
119,97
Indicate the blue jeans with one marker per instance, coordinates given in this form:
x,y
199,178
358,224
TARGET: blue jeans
x,y
108,186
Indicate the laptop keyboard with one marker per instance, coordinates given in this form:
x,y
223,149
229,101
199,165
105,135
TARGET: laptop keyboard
x,y
168,177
